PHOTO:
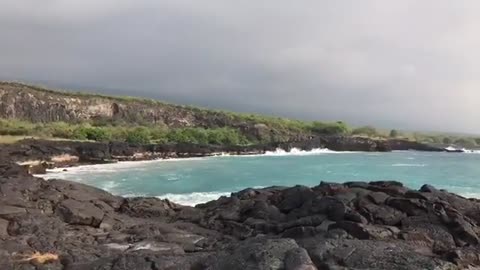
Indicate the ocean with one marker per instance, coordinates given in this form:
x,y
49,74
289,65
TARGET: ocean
x,y
197,180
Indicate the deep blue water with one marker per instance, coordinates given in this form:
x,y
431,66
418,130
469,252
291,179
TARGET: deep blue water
x,y
191,181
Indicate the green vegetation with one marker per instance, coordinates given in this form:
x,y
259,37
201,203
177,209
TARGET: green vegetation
x,y
135,135
368,131
336,128
283,129
218,136
140,135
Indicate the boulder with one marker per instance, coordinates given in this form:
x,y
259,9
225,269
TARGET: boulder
x,y
332,207
364,231
3,228
371,254
412,207
298,259
260,253
294,198
80,213
7,211
378,197
380,214
148,207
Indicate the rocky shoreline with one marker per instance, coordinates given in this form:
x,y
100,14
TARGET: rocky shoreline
x,y
58,224
39,155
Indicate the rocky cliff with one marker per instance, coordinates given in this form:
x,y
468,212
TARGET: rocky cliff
x,y
40,105
35,104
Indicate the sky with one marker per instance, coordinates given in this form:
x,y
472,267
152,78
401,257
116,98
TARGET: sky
x,y
409,64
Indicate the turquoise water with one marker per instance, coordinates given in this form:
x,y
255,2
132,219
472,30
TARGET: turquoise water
x,y
191,181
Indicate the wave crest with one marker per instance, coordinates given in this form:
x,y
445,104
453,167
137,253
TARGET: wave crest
x,y
193,198
408,165
298,152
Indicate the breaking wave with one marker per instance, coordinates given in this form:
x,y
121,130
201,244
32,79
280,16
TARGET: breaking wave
x,y
299,152
408,165
193,198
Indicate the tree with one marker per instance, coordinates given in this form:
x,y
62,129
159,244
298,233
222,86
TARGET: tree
x,y
394,133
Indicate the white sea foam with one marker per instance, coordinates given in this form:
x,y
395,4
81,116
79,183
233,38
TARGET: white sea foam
x,y
193,198
408,165
64,173
475,195
109,185
299,152
464,150
73,172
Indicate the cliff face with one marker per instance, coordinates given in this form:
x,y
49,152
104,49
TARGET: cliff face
x,y
38,105
25,102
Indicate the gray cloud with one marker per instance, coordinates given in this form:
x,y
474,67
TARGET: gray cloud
x,y
408,64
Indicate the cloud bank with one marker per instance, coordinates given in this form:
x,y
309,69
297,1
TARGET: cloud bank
x,y
405,64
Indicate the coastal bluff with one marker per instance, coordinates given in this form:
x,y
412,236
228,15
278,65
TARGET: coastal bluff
x,y
59,224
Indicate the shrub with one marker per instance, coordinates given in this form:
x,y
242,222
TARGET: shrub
x,y
16,127
159,135
140,135
447,140
91,133
366,130
61,130
466,142
477,141
188,135
337,128
226,136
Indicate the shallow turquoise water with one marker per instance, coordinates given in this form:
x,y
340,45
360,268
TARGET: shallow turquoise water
x,y
191,181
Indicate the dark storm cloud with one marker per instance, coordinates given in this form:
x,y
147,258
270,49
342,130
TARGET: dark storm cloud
x,y
409,64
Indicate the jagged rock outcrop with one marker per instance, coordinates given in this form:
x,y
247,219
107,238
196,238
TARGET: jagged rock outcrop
x,y
403,145
355,225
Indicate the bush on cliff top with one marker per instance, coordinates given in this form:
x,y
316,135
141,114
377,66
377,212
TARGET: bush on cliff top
x,y
366,130
277,130
218,136
137,135
337,128
140,135
92,134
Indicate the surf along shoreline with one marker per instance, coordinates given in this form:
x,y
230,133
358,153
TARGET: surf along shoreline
x,y
39,155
